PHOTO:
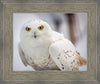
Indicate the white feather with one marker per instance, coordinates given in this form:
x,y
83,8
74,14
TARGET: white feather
x,y
44,49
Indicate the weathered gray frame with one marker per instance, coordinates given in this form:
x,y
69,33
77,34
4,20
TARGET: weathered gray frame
x,y
89,76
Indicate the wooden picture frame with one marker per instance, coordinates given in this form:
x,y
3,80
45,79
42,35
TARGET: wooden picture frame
x,y
8,7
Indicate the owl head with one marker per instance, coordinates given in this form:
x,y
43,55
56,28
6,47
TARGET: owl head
x,y
35,29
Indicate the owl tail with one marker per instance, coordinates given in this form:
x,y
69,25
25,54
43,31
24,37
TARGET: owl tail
x,y
82,61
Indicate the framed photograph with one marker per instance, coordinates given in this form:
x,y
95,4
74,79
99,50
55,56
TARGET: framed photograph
x,y
59,22
49,42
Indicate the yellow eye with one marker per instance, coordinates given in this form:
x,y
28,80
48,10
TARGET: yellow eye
x,y
41,27
28,29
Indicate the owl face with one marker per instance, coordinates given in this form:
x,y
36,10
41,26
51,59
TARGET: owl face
x,y
35,29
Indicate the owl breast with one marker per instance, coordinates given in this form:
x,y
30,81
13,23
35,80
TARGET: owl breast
x,y
39,55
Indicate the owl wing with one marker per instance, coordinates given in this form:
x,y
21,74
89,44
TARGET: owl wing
x,y
26,59
63,53
22,55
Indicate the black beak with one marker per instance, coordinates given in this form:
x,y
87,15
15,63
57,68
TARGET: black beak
x,y
35,35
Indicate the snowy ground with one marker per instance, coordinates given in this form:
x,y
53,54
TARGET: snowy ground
x,y
20,18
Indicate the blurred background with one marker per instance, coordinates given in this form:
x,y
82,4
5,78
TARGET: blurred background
x,y
73,26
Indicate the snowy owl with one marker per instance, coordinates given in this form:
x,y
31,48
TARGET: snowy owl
x,y
44,49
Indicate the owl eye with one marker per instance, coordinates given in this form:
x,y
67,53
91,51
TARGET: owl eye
x,y
41,27
28,29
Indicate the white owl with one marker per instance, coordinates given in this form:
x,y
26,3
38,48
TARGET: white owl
x,y
44,49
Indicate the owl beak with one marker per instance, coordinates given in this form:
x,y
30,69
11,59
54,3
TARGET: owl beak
x,y
35,35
